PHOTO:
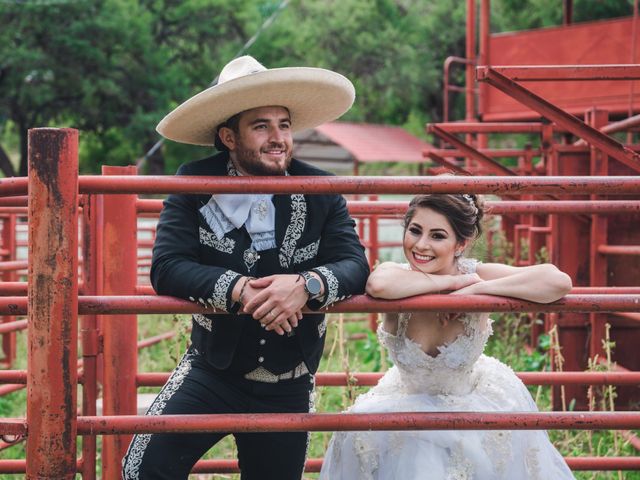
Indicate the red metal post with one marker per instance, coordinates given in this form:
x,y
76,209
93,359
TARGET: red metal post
x,y
53,303
470,79
374,255
89,335
597,261
9,243
120,352
484,53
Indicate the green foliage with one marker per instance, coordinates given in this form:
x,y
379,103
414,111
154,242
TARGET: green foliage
x,y
114,68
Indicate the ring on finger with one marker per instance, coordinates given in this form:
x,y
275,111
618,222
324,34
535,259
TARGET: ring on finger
x,y
271,314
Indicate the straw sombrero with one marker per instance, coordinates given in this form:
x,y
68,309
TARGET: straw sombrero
x,y
312,95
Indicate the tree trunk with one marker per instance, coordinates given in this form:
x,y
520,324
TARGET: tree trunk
x,y
5,164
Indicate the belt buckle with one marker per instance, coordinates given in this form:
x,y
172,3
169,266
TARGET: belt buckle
x,y
263,375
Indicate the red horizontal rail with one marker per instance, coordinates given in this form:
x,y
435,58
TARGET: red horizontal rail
x,y
118,305
340,422
491,127
327,422
313,465
357,207
13,288
13,265
619,249
18,201
359,185
556,73
339,379
631,316
13,326
489,152
605,290
147,342
14,211
347,185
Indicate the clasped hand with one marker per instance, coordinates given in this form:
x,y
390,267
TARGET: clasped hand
x,y
276,301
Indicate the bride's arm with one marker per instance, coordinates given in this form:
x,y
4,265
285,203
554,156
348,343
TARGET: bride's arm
x,y
542,283
391,281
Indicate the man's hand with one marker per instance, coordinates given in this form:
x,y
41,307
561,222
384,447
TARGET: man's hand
x,y
278,303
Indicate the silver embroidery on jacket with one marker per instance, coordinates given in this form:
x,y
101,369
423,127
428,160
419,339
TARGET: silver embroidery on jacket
x,y
225,245
133,459
220,289
332,283
306,253
203,321
263,240
294,230
322,327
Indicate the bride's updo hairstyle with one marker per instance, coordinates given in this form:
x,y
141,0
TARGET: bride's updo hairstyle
x,y
464,212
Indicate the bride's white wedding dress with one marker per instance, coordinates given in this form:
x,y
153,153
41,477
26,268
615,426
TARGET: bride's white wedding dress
x,y
460,378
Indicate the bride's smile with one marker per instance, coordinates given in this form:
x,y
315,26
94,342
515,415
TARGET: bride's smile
x,y
430,243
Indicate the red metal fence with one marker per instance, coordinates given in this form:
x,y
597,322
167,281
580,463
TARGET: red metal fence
x,y
109,304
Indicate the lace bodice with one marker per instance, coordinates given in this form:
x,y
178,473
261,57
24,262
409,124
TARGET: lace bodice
x,y
451,371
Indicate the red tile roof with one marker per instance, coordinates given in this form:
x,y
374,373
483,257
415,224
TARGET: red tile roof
x,y
375,143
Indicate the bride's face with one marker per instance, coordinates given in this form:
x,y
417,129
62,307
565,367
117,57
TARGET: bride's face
x,y
430,243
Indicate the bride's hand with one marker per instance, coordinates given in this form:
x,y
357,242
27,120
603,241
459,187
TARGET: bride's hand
x,y
465,284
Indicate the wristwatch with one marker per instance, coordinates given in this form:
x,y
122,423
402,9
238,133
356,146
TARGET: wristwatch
x,y
312,285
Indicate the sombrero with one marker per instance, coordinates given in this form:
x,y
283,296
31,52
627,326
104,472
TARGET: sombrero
x,y
312,95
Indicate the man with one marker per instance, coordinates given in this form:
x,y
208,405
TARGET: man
x,y
261,258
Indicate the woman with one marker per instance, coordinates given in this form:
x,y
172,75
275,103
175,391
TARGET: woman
x,y
439,365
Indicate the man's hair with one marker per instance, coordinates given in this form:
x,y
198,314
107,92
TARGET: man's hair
x,y
234,124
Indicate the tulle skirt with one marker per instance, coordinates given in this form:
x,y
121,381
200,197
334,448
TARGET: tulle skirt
x,y
448,454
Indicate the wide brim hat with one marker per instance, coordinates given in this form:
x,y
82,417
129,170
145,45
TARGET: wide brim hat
x,y
313,96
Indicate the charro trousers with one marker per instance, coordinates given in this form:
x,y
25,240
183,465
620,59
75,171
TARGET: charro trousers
x,y
194,387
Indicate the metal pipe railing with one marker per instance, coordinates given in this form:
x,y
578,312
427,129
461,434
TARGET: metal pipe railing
x,y
145,304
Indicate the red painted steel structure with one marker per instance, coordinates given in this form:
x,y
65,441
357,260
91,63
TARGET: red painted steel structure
x,y
594,250
123,305
593,43
53,298
341,379
120,332
8,241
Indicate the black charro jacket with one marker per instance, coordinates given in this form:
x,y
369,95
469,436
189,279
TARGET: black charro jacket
x,y
313,232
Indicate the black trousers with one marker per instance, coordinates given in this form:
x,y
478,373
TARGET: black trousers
x,y
195,388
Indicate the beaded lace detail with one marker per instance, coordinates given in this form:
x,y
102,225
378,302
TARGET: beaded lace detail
x,y
450,370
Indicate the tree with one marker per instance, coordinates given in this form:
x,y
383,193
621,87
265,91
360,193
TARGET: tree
x,y
109,68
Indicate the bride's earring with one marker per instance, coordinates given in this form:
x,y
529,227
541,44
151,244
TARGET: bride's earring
x,y
457,254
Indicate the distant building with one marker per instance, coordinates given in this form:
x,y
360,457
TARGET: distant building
x,y
340,147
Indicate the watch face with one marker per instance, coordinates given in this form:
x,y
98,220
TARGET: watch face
x,y
313,286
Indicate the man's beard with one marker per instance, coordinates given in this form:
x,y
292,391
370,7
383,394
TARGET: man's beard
x,y
248,161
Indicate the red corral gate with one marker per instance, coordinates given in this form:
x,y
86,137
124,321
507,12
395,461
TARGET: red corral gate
x,y
101,315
